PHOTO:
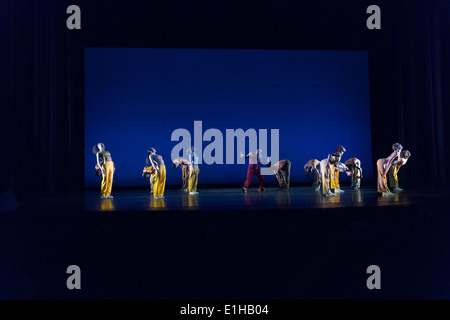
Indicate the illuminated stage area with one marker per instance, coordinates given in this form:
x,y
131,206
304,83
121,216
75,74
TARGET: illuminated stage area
x,y
223,244
229,200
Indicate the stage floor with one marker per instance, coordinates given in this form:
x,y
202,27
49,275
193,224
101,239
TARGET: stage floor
x,y
272,199
229,200
223,244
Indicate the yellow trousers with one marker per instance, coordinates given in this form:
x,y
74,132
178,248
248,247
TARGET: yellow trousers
x,y
393,178
107,175
152,178
193,178
335,181
160,182
152,182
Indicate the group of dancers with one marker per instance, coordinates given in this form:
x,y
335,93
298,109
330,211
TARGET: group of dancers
x,y
155,171
324,173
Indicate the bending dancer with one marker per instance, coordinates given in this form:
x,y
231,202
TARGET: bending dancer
x,y
335,170
383,166
106,165
193,171
393,170
157,162
150,173
313,167
253,169
354,164
185,172
328,167
282,170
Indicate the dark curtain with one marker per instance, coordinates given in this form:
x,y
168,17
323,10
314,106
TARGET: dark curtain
x,y
44,103
422,65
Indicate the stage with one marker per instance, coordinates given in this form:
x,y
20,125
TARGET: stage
x,y
297,200
229,200
224,244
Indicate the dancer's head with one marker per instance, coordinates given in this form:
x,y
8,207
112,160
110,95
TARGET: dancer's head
x,y
176,163
405,154
151,151
309,172
99,147
340,150
397,146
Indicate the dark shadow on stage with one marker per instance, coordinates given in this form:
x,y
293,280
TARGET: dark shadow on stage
x,y
223,244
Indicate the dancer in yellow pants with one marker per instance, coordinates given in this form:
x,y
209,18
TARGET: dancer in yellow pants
x,y
105,163
158,164
194,171
395,167
334,170
328,169
383,166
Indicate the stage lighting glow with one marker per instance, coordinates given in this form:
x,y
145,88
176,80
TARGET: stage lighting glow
x,y
136,98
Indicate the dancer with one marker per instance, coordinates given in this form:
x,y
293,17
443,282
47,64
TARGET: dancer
x,y
335,171
185,171
383,166
157,162
312,167
354,164
328,167
193,171
393,170
106,165
282,170
253,169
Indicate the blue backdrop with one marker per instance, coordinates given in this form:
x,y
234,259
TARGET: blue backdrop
x,y
136,97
